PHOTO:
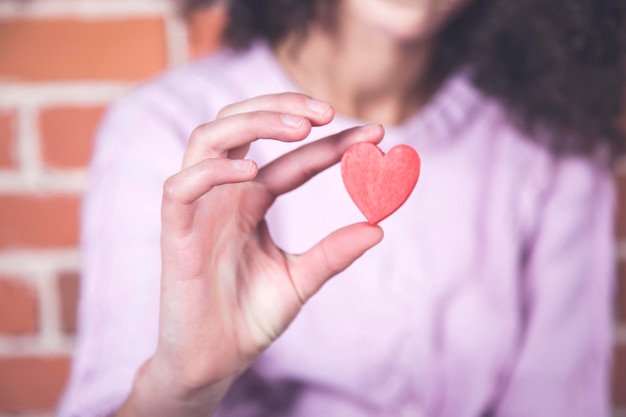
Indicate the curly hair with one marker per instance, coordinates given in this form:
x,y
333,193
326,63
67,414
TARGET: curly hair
x,y
556,66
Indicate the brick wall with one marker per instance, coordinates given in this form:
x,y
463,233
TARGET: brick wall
x,y
619,372
61,63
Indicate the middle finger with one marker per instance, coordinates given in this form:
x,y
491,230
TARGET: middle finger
x,y
215,139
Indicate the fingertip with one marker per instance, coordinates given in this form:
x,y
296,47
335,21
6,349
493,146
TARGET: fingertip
x,y
372,133
321,112
254,168
246,166
318,106
330,115
291,120
372,234
377,233
301,132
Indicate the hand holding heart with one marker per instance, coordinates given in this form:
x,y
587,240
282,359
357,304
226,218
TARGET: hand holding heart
x,y
227,290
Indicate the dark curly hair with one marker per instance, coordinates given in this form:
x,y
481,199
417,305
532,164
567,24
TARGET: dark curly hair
x,y
557,66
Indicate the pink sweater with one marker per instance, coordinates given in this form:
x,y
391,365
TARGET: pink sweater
x,y
490,294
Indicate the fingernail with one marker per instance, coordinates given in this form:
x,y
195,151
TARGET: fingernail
x,y
317,106
243,165
292,121
366,128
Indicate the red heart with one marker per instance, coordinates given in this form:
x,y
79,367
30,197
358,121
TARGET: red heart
x,y
377,183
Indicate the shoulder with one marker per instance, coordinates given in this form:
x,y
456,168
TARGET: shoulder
x,y
169,106
198,89
498,134
517,164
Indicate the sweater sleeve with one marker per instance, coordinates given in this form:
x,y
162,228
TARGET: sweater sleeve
x,y
137,148
563,365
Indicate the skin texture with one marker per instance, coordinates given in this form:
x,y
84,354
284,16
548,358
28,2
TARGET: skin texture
x,y
387,81
227,290
219,309
212,212
408,20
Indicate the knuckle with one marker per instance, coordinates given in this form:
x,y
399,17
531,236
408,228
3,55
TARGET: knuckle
x,y
331,267
224,111
170,189
196,134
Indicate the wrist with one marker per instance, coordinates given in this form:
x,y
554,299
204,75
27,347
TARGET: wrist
x,y
157,392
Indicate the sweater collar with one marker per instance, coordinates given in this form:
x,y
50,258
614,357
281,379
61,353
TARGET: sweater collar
x,y
440,121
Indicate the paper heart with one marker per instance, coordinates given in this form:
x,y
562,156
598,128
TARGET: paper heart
x,y
377,183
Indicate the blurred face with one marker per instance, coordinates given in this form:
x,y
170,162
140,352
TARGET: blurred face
x,y
408,20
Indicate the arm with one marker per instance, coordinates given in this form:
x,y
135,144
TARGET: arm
x,y
563,365
134,153
227,291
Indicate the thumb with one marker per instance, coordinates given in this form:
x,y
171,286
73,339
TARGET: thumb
x,y
330,256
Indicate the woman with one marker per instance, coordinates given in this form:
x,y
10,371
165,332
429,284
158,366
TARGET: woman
x,y
490,293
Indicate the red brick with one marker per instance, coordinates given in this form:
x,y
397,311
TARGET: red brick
x,y
620,223
38,221
620,305
18,307
69,49
32,384
67,135
204,29
7,140
619,376
68,286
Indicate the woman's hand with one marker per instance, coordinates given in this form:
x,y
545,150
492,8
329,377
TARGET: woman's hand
x,y
227,290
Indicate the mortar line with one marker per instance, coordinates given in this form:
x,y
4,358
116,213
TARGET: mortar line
x,y
19,94
85,9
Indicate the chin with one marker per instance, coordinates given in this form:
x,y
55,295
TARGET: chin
x,y
407,20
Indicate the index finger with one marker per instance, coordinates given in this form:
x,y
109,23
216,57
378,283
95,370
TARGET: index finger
x,y
293,169
318,112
